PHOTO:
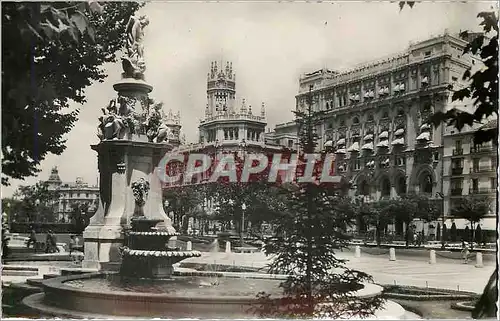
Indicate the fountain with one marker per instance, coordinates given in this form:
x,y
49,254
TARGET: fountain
x,y
127,240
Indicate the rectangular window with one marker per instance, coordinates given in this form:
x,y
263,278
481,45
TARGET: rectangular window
x,y
457,163
454,79
458,144
475,185
493,183
427,53
475,165
290,143
456,184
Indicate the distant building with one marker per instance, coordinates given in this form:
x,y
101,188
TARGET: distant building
x,y
70,194
469,170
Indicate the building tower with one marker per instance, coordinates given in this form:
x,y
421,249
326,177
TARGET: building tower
x,y
54,180
224,122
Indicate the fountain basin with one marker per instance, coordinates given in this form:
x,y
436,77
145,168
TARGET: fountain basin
x,y
185,295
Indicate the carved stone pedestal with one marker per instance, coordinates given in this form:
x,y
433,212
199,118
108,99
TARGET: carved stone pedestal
x,y
121,163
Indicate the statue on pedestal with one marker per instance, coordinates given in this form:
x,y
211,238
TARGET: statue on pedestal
x,y
134,65
111,124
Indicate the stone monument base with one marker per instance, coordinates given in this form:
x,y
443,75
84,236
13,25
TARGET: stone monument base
x,y
102,247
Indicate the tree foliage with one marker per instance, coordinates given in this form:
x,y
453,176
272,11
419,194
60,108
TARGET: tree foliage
x,y
472,208
312,226
80,216
36,202
51,52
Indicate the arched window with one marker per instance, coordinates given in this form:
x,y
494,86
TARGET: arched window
x,y
327,105
386,187
426,184
370,117
385,115
401,112
355,120
364,189
342,123
401,185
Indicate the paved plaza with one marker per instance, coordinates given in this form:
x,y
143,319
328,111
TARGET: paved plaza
x,y
451,275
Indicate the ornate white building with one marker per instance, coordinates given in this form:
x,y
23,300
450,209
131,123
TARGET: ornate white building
x,y
375,118
70,194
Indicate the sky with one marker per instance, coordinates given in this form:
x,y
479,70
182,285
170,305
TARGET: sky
x,y
270,45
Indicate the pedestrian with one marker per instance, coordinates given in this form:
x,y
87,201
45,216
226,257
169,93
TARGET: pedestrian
x,y
32,239
53,241
48,242
465,252
72,244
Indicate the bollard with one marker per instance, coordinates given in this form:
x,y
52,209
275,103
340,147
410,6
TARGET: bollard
x,y
392,254
228,247
357,251
479,260
432,257
189,246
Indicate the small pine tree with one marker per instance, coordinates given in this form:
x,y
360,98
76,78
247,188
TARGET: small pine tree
x,y
445,233
453,232
309,231
478,235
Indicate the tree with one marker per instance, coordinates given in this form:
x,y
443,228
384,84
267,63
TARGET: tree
x,y
51,52
309,231
478,235
472,208
182,201
482,86
377,214
37,202
453,232
80,216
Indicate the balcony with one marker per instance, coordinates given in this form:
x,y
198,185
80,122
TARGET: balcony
x,y
483,169
481,149
456,192
458,152
457,171
482,191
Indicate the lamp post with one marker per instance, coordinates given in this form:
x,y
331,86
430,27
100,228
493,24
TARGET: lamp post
x,y
243,208
443,241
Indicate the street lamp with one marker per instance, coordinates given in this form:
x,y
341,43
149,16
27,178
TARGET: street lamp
x,y
443,241
243,208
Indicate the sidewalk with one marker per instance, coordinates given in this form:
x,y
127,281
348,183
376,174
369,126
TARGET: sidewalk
x,y
452,276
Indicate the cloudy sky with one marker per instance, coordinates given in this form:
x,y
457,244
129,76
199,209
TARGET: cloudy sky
x,y
270,45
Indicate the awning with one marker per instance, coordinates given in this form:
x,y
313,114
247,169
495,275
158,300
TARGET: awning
x,y
425,127
381,91
383,135
341,141
356,97
354,147
368,146
370,163
372,94
399,141
328,144
424,136
385,161
402,87
425,79
340,151
386,90
396,88
399,132
487,223
382,144
368,137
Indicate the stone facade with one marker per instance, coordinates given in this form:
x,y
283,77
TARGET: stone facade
x,y
375,117
469,169
70,194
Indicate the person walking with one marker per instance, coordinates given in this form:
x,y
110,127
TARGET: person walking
x,y
72,244
32,239
465,252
